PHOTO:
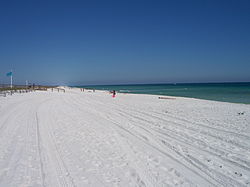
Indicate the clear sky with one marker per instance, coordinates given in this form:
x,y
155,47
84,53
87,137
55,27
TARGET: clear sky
x,y
130,41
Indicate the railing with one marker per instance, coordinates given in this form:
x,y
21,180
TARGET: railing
x,y
58,89
4,93
6,90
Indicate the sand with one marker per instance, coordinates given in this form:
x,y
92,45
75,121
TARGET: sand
x,y
91,139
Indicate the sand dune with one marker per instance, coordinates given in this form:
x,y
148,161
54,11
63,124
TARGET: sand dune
x,y
91,139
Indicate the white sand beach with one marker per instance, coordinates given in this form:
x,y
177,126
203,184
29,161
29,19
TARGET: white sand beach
x,y
91,139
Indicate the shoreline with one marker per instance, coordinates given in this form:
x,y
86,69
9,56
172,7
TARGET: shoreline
x,y
165,96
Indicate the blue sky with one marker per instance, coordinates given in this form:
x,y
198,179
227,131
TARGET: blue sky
x,y
118,42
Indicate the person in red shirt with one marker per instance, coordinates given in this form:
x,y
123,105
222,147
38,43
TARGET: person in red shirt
x,y
114,93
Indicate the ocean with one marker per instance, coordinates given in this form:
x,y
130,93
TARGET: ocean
x,y
226,92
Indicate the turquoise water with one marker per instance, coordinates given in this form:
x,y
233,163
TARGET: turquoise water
x,y
227,92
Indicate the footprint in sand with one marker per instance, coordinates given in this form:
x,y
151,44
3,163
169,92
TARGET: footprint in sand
x,y
84,179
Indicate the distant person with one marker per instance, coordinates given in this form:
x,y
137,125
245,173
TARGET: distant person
x,y
114,93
